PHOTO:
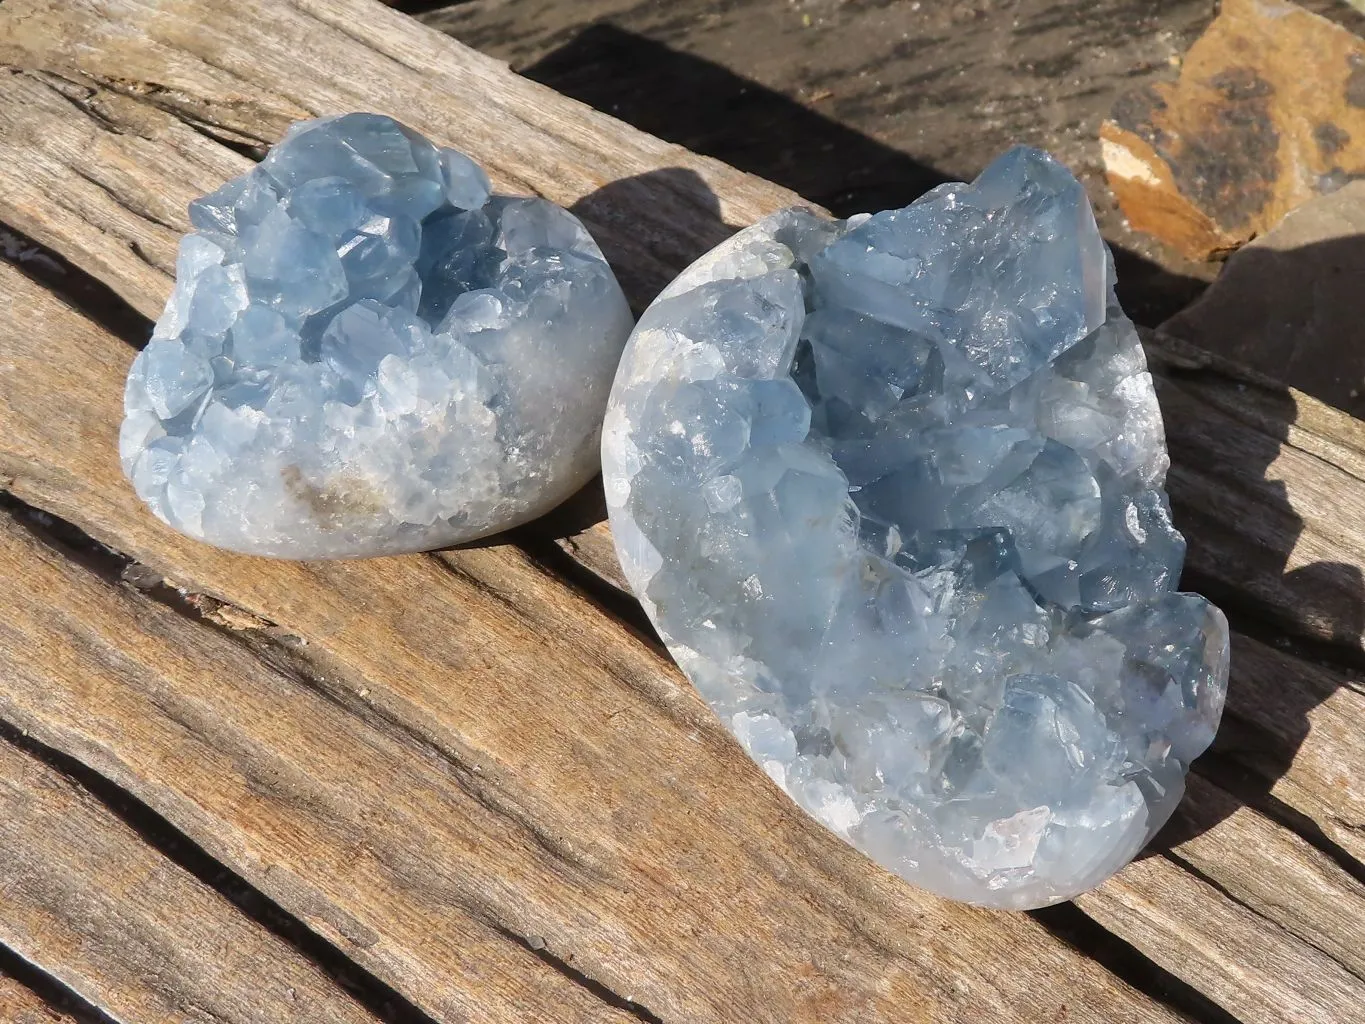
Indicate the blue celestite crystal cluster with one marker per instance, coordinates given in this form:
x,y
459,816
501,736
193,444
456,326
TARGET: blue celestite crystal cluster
x,y
367,353
891,490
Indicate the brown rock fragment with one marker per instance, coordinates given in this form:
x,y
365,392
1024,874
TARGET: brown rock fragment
x,y
1268,112
1290,304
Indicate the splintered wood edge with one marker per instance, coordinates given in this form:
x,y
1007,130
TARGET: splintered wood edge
x,y
243,760
19,1004
33,300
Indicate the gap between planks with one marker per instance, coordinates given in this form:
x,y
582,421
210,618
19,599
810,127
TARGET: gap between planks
x,y
837,964
123,925
66,332
28,996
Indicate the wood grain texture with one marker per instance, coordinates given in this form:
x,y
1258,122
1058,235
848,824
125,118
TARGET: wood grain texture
x,y
1274,510
1264,479
1274,871
1214,944
1254,912
85,341
21,1005
244,69
246,761
94,162
516,764
592,805
89,902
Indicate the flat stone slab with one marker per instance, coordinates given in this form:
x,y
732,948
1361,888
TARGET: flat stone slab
x,y
1268,112
1288,304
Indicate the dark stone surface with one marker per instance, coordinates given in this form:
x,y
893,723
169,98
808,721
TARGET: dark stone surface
x,y
862,104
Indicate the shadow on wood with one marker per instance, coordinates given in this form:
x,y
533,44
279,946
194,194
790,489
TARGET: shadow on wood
x,y
710,109
1264,725
1276,591
520,783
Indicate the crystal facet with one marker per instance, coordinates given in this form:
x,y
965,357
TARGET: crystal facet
x,y
366,352
891,491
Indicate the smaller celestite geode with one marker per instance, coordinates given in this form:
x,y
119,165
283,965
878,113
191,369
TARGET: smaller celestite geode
x,y
367,353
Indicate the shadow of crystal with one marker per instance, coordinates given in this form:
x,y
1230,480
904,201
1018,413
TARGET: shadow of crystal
x,y
1319,607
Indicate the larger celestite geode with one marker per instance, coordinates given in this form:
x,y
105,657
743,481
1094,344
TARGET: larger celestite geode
x,y
368,353
891,491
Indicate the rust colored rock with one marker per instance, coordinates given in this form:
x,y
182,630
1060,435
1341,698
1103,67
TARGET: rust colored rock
x,y
1268,112
1288,304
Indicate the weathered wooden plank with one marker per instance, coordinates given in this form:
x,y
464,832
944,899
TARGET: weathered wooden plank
x,y
75,177
514,760
1211,941
1272,507
238,69
1252,931
89,902
497,573
375,848
21,1005
1260,401
1294,728
1268,868
1267,926
246,68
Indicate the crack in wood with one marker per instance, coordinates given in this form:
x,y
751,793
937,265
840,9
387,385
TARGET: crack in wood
x,y
536,946
79,94
142,212
50,989
556,146
1207,879
385,1002
1074,927
303,667
1233,775
83,292
252,149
